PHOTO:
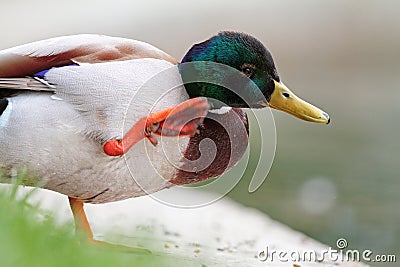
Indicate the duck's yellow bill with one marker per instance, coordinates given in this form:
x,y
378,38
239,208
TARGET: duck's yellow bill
x,y
283,99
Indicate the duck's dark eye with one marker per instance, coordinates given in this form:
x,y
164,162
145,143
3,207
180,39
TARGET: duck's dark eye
x,y
248,70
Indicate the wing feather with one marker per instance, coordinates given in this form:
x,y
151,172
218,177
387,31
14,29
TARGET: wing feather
x,y
25,83
31,58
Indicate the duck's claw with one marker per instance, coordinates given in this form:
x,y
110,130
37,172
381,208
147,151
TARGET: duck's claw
x,y
151,138
151,128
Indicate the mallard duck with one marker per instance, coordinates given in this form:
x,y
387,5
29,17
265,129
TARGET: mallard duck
x,y
83,113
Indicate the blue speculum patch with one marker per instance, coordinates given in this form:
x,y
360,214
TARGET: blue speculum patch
x,y
42,73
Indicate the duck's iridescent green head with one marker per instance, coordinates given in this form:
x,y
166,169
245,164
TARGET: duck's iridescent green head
x,y
242,52
253,60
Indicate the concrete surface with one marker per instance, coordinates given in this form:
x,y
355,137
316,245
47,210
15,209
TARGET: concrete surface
x,y
223,233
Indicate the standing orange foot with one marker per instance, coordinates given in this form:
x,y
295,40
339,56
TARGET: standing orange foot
x,y
82,226
179,120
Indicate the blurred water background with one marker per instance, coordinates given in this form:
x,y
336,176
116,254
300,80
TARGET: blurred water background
x,y
330,181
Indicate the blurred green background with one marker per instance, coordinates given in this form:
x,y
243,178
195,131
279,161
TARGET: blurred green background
x,y
330,181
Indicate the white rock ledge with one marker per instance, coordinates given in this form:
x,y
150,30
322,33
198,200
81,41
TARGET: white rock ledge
x,y
224,233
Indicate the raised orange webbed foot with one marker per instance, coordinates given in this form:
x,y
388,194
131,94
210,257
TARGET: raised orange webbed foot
x,y
179,120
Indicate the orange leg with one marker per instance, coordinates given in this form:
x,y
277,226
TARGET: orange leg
x,y
82,226
182,119
81,222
